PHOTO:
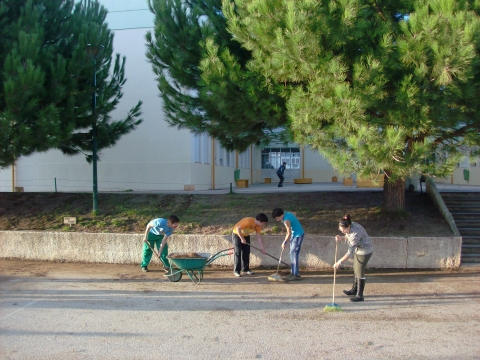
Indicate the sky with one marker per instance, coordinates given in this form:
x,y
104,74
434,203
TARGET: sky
x,y
128,14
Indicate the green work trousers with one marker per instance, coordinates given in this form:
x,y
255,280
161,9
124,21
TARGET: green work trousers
x,y
155,241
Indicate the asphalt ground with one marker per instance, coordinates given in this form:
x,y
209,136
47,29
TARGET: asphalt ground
x,y
103,311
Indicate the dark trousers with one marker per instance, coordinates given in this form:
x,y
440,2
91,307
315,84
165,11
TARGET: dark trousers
x,y
281,179
241,254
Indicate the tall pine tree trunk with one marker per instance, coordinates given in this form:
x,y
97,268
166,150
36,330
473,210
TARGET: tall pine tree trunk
x,y
394,194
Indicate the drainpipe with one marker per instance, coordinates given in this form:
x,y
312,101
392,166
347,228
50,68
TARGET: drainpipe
x,y
302,154
236,168
213,163
13,176
251,164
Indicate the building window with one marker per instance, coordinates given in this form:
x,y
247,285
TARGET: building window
x,y
201,148
196,147
206,144
230,160
244,159
219,154
272,158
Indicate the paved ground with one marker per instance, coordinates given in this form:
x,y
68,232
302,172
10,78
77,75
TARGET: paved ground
x,y
85,311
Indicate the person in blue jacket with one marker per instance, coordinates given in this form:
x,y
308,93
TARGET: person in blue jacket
x,y
280,172
156,234
294,236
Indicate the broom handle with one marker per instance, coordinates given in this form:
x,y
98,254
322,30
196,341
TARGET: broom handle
x,y
273,257
156,254
278,267
335,271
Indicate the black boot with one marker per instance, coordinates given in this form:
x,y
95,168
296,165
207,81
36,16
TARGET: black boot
x,y
361,286
353,290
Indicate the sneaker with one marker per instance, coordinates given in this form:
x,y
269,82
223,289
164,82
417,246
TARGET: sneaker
x,y
292,277
249,272
144,269
237,274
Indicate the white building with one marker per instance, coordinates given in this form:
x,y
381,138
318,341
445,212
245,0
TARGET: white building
x,y
156,156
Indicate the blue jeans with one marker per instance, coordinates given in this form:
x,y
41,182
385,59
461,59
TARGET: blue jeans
x,y
295,246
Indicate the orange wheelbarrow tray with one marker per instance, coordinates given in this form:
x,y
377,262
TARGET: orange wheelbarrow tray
x,y
193,266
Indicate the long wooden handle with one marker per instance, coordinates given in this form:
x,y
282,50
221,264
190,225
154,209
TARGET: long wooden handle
x,y
273,257
278,267
156,254
334,271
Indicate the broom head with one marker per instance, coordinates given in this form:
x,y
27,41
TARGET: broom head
x,y
275,277
332,307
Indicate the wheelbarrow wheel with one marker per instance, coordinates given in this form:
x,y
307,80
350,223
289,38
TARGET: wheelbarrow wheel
x,y
174,277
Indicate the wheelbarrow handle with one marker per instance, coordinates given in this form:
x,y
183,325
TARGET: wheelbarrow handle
x,y
218,254
273,257
230,252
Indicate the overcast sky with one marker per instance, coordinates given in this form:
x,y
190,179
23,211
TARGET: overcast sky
x,y
128,14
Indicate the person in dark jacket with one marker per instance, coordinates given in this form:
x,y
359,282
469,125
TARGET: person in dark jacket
x,y
280,172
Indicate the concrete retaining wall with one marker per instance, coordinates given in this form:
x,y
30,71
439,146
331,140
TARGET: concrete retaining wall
x,y
318,252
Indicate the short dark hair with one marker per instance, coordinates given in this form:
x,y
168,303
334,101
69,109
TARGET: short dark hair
x,y
345,221
277,212
262,218
173,219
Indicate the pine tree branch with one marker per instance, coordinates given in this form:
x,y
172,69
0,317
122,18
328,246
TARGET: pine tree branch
x,y
457,133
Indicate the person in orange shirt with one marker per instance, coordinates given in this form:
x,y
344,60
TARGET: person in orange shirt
x,y
241,240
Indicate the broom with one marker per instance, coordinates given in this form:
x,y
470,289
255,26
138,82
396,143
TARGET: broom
x,y
333,307
276,277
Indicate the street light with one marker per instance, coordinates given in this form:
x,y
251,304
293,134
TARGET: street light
x,y
94,55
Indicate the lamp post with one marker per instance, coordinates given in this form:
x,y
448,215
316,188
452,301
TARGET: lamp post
x,y
94,131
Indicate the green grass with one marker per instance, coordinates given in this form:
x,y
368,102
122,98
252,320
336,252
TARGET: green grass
x,y
216,214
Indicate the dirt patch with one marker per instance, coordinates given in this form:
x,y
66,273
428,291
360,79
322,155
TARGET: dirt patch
x,y
318,212
190,255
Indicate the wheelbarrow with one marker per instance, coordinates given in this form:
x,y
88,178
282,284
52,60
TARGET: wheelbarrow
x,y
192,266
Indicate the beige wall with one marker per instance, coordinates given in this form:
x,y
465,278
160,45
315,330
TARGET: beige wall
x,y
318,252
457,178
474,178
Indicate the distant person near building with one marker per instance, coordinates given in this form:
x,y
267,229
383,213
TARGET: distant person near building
x,y
280,172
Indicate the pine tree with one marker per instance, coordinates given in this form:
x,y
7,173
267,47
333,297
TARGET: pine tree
x,y
379,87
189,51
48,52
